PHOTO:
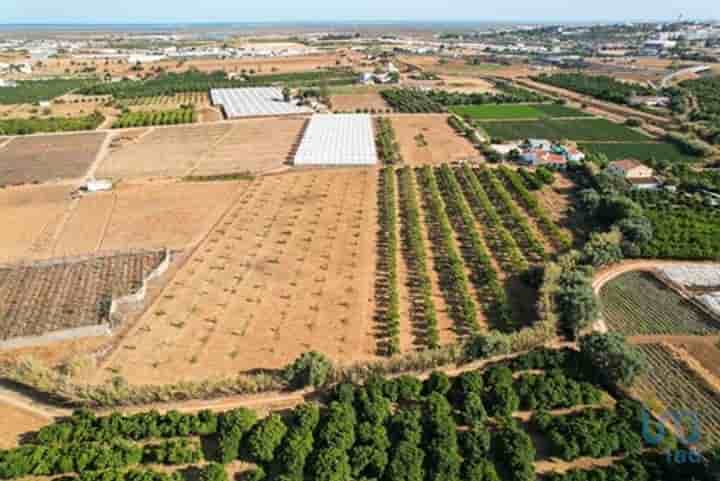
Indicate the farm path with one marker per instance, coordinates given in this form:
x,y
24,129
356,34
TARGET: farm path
x,y
100,156
26,399
606,275
5,142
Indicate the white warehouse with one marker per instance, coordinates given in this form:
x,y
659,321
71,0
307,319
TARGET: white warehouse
x,y
343,139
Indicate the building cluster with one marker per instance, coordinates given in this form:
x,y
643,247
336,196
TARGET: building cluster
x,y
540,153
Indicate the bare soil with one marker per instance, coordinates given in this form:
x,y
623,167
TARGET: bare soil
x,y
42,221
290,268
45,158
352,102
16,422
441,143
255,145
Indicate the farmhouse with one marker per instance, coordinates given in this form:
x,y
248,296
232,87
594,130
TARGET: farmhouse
x,y
255,102
638,175
338,140
630,169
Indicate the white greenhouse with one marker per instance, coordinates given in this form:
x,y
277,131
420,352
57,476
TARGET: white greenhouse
x,y
344,139
255,102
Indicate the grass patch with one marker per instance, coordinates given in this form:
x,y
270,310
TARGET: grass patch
x,y
509,112
640,151
591,130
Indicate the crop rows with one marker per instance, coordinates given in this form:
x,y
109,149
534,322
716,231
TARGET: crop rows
x,y
484,276
637,303
678,387
39,299
389,300
185,98
559,237
160,117
387,145
515,220
505,248
50,124
416,257
449,263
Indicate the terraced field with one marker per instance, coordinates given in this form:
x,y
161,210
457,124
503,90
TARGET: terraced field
x,y
637,303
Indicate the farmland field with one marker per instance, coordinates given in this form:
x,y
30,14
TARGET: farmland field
x,y
637,303
508,111
50,296
31,91
352,102
17,422
26,214
591,130
287,270
45,158
247,145
683,227
672,383
429,140
639,151
42,222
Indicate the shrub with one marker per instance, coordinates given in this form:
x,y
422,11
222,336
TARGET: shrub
x,y
310,369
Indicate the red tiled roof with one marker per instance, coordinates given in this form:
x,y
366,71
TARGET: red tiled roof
x,y
626,164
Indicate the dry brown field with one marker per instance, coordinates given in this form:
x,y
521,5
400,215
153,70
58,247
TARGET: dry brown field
x,y
256,145
46,158
441,143
352,102
16,422
459,67
119,68
466,84
28,214
289,268
41,222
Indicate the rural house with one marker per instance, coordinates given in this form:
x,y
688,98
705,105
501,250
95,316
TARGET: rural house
x,y
638,175
630,169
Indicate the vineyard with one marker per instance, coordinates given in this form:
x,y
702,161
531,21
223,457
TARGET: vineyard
x,y
600,87
684,227
160,117
32,91
637,303
590,130
46,297
50,124
645,151
677,386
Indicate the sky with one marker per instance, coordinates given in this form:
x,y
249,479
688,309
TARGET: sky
x,y
90,11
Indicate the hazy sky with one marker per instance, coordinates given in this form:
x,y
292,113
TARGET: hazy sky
x,y
304,10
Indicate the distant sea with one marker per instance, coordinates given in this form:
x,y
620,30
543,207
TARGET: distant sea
x,y
220,26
